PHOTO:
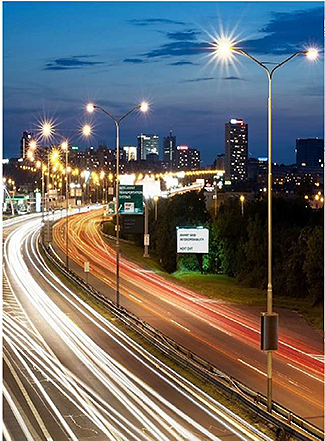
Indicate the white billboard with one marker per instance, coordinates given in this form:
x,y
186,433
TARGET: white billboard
x,y
192,240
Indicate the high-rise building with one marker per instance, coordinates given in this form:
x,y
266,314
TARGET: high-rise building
x,y
187,159
220,162
236,150
147,144
309,152
24,143
131,153
169,150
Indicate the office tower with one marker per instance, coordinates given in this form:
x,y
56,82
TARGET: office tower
x,y
309,152
147,144
187,159
24,143
131,153
236,150
169,150
220,162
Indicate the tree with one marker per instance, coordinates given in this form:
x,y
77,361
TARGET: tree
x,y
314,265
180,210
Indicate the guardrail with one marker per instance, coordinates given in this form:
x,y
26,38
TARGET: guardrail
x,y
287,422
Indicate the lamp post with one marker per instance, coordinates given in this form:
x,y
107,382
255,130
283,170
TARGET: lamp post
x,y
48,131
156,207
90,108
215,197
86,131
242,200
146,229
224,49
32,148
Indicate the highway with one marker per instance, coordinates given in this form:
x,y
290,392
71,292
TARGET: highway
x,y
70,373
224,334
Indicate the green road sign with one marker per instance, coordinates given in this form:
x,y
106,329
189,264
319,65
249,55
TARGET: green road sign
x,y
111,208
131,199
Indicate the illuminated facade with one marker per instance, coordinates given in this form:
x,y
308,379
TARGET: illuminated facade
x,y
169,150
24,143
131,153
236,150
147,144
187,159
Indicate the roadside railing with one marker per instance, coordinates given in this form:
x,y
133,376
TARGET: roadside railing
x,y
287,422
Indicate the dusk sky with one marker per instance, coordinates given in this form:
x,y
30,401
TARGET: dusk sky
x,y
60,55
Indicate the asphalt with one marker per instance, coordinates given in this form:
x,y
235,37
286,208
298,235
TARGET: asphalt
x,y
74,339
297,387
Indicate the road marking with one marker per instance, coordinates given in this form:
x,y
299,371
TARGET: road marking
x,y
135,298
306,373
252,367
181,326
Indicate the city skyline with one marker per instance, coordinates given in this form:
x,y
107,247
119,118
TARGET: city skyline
x,y
167,61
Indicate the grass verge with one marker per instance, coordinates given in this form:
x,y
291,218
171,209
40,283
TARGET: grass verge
x,y
226,399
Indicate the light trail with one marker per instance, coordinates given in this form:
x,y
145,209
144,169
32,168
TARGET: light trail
x,y
145,414
85,237
247,329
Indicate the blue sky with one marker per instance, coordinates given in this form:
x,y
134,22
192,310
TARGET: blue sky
x,y
60,55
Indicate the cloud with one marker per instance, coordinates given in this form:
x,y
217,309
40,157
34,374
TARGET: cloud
x,y
233,78
289,32
196,80
18,111
189,35
182,63
133,60
73,62
178,49
153,21
315,90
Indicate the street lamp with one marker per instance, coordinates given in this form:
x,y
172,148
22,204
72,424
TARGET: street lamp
x,y
86,131
225,50
48,131
90,108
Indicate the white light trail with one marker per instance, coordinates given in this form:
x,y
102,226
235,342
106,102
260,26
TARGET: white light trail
x,y
146,407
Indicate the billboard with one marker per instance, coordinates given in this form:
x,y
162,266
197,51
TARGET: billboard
x,y
192,240
132,224
131,199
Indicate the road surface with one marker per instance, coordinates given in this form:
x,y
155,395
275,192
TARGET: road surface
x,y
70,373
224,334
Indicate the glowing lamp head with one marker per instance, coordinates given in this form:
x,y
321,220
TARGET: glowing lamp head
x,y
47,129
64,145
144,107
55,156
90,108
86,130
312,54
242,198
32,145
224,49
